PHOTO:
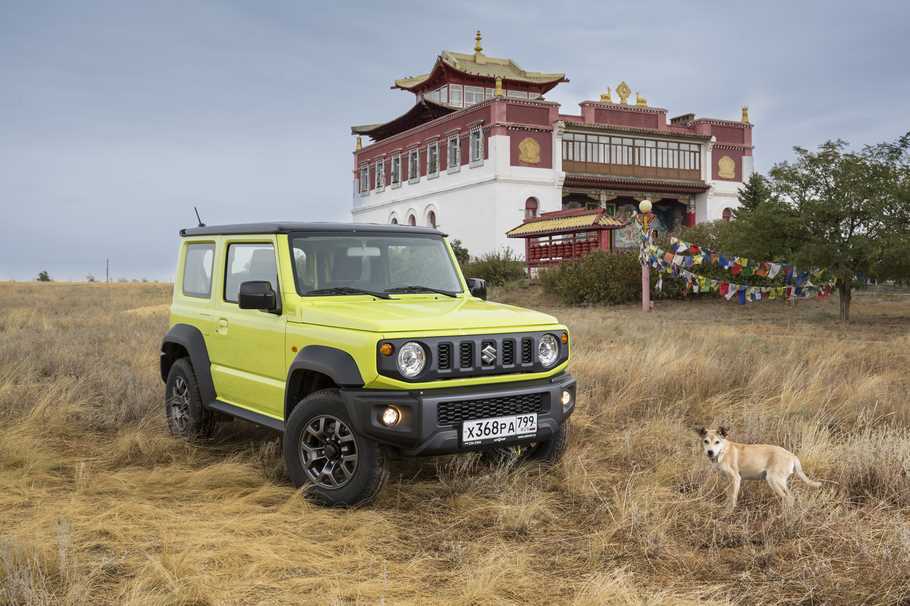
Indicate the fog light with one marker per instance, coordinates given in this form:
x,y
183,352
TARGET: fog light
x,y
566,398
390,416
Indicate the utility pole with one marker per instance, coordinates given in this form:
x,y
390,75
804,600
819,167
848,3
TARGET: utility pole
x,y
107,271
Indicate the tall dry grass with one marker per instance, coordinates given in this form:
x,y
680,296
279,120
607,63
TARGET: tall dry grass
x,y
99,506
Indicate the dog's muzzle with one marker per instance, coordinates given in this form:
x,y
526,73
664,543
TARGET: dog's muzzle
x,y
713,456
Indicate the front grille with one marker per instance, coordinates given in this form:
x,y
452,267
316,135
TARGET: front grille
x,y
527,351
466,356
444,355
452,413
508,352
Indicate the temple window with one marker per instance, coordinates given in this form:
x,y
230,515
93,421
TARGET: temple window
x,y
472,95
431,218
380,175
476,145
433,159
455,95
531,208
414,166
623,151
412,220
453,155
364,178
396,169
517,94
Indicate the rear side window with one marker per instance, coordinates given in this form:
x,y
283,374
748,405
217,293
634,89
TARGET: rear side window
x,y
197,270
248,262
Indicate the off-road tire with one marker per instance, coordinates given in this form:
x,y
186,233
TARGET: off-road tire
x,y
548,452
371,468
186,416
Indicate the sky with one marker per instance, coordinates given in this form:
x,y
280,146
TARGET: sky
x,y
116,118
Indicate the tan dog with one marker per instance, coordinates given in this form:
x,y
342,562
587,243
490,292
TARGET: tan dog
x,y
752,462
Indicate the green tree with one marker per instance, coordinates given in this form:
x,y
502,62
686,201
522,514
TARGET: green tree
x,y
756,191
43,276
461,253
852,210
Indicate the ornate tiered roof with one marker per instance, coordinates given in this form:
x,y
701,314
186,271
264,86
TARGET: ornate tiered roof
x,y
483,66
565,221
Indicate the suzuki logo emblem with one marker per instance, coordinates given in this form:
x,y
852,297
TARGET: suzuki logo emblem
x,y
488,354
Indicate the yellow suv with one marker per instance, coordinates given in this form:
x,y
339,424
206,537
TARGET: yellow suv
x,y
356,342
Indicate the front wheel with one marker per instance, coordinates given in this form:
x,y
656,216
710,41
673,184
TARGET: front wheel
x,y
321,450
547,452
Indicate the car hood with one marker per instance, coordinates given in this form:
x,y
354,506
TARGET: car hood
x,y
413,314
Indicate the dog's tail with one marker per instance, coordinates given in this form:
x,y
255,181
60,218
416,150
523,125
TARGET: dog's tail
x,y
798,468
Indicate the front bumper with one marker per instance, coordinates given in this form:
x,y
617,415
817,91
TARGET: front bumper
x,y
421,431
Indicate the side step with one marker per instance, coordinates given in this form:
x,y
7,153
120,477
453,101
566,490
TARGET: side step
x,y
247,415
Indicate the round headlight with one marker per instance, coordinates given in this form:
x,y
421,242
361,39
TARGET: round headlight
x,y
411,360
547,350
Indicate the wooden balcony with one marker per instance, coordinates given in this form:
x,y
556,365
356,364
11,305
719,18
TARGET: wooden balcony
x,y
626,170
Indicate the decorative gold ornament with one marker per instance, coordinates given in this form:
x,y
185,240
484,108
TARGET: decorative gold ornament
x,y
726,168
498,91
605,97
358,144
623,91
477,47
745,117
529,151
639,100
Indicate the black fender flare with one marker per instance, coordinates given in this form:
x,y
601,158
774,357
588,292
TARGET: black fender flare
x,y
191,339
336,364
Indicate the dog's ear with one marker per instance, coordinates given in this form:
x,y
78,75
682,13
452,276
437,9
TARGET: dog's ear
x,y
701,431
722,431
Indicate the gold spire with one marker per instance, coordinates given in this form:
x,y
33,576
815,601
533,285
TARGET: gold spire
x,y
639,100
623,91
498,92
605,97
358,144
745,117
477,47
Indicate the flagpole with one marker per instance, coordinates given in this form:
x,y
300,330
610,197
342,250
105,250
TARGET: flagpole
x,y
645,218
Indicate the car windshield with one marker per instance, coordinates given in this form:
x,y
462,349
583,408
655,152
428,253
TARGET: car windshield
x,y
330,264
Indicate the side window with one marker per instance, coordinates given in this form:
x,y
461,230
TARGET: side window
x,y
247,262
197,270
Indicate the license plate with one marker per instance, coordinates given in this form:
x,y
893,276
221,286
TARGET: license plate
x,y
483,431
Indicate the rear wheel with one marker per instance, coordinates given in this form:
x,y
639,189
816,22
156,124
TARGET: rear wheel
x,y
322,451
186,416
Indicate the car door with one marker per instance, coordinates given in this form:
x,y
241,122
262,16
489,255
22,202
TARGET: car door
x,y
248,365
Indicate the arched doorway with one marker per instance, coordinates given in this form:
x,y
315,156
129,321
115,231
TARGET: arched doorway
x,y
531,207
412,220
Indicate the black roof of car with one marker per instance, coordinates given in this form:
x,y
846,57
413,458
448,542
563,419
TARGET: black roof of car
x,y
298,227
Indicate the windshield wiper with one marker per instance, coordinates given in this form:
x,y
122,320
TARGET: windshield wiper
x,y
439,291
347,290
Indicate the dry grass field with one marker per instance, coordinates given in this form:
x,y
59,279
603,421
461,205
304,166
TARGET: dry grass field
x,y
98,505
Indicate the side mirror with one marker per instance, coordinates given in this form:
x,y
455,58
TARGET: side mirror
x,y
258,294
478,288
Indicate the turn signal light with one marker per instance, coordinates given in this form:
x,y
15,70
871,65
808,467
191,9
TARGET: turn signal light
x,y
386,349
564,338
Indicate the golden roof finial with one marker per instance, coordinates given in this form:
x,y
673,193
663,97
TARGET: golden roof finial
x,y
745,117
358,144
605,97
477,47
623,91
639,100
499,92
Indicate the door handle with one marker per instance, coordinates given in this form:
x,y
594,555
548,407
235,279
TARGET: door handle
x,y
222,326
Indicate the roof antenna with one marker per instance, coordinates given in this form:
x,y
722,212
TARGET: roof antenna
x,y
198,218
